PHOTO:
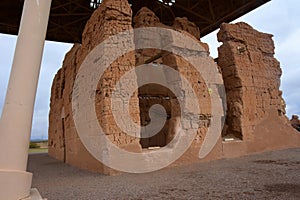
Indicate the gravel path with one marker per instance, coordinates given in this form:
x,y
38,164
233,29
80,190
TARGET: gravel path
x,y
271,175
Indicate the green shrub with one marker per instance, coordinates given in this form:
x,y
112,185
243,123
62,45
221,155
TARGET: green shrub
x,y
33,145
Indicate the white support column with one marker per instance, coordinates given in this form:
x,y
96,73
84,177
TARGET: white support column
x,y
16,120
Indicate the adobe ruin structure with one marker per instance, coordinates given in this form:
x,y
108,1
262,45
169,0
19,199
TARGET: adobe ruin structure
x,y
255,117
64,21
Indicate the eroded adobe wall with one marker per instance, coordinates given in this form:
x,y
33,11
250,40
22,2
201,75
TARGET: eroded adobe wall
x,y
251,76
151,94
56,129
61,124
154,94
194,77
112,17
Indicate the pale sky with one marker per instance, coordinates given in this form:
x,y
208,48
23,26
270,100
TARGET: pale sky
x,y
278,17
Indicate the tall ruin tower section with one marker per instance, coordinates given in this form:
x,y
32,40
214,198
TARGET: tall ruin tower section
x,y
251,76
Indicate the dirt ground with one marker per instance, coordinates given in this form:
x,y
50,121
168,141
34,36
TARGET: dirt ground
x,y
270,175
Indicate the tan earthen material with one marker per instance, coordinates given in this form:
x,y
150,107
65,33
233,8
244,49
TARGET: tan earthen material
x,y
256,109
110,18
255,118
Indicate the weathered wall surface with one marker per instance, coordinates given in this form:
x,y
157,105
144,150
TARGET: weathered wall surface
x,y
61,124
153,94
251,76
112,17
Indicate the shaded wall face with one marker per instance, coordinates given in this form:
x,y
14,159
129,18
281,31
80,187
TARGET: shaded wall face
x,y
60,107
155,94
56,142
251,76
150,95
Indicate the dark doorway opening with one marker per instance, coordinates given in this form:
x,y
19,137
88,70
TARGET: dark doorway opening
x,y
150,95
